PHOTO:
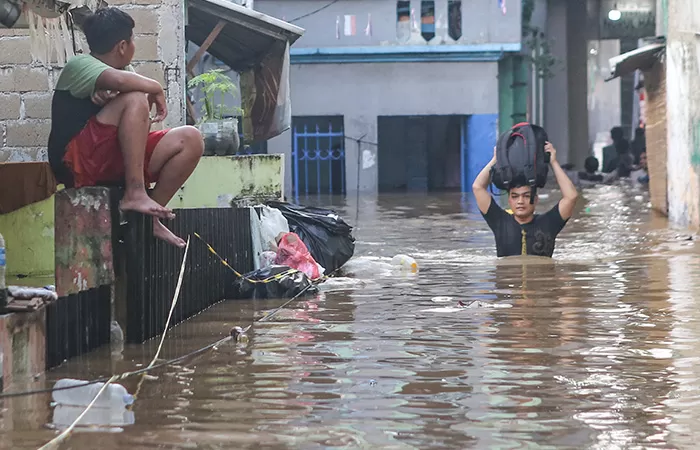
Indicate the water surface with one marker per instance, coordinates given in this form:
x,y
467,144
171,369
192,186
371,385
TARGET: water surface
x,y
595,348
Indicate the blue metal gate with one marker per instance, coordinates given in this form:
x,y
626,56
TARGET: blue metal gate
x,y
318,161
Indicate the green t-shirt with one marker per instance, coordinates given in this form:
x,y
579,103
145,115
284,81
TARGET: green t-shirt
x,y
72,108
79,76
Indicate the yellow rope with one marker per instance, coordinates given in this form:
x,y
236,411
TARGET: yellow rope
x,y
238,274
523,247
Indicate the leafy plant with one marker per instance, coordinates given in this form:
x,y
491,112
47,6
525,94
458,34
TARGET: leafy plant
x,y
215,84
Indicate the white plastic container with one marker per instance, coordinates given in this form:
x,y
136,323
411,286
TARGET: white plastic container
x,y
115,395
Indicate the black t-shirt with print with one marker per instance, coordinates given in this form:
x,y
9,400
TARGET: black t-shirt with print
x,y
539,234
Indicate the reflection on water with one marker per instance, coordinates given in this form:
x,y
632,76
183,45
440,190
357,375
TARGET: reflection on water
x,y
597,348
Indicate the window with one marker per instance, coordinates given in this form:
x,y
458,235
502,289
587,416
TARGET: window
x,y
454,20
403,20
427,16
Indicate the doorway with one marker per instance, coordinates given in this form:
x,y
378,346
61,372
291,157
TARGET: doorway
x,y
420,153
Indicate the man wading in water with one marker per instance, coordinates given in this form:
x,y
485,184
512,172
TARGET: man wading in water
x,y
524,232
100,125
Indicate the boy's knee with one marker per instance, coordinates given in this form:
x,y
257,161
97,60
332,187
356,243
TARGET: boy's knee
x,y
193,139
135,100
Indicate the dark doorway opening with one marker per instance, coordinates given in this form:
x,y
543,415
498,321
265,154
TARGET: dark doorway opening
x,y
420,153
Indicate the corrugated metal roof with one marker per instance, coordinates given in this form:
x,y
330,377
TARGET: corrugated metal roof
x,y
247,36
641,58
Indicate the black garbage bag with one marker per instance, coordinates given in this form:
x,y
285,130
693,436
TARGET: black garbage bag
x,y
284,286
327,236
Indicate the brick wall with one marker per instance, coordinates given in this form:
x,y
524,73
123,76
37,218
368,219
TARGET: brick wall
x,y
657,136
25,86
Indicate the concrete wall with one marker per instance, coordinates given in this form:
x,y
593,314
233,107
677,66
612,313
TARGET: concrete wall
x,y
482,22
683,103
566,98
656,131
362,92
220,180
25,86
604,96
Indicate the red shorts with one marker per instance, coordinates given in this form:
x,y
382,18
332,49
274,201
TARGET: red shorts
x,y
94,156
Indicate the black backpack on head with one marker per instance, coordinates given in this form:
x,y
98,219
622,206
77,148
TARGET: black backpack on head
x,y
521,159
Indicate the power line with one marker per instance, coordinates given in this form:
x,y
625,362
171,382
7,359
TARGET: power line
x,y
315,11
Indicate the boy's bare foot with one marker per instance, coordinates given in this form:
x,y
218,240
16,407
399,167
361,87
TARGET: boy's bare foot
x,y
146,205
161,232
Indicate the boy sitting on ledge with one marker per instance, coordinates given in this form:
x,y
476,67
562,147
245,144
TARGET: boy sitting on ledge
x,y
100,129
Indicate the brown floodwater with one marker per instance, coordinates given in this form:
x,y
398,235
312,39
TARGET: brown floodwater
x,y
597,348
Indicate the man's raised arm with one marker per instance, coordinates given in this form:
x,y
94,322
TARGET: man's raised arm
x,y
481,184
568,190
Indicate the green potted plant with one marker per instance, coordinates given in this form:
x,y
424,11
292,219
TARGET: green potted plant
x,y
218,123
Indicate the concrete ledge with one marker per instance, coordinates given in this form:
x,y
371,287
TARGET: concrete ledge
x,y
224,181
22,346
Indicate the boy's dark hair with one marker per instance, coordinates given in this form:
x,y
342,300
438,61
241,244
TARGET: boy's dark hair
x,y
106,28
617,134
591,164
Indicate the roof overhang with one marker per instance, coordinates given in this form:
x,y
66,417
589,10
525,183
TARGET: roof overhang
x,y
246,37
642,58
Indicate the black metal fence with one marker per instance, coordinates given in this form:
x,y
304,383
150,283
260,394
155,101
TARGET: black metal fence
x,y
149,268
77,324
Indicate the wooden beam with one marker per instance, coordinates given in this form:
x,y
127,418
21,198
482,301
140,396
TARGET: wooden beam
x,y
205,45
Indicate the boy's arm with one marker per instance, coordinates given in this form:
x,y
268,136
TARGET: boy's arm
x,y
481,184
568,190
124,81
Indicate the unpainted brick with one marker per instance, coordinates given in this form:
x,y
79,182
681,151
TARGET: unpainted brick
x,y
147,19
9,106
37,106
11,154
15,50
23,79
146,48
28,133
151,70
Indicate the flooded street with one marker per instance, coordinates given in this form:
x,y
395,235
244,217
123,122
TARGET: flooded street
x,y
598,348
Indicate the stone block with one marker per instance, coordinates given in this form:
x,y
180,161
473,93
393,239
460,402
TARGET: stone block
x,y
9,106
37,105
22,346
23,79
83,240
146,48
28,133
18,154
147,19
15,50
151,70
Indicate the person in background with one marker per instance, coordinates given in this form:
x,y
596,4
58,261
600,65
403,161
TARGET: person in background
x,y
623,163
641,173
611,151
639,144
101,125
523,232
590,175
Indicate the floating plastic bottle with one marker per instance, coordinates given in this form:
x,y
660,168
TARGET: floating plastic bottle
x,y
405,262
3,264
114,395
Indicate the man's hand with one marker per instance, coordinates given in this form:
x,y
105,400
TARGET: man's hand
x,y
101,98
161,107
494,154
549,148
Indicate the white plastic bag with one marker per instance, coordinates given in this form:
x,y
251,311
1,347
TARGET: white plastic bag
x,y
272,224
